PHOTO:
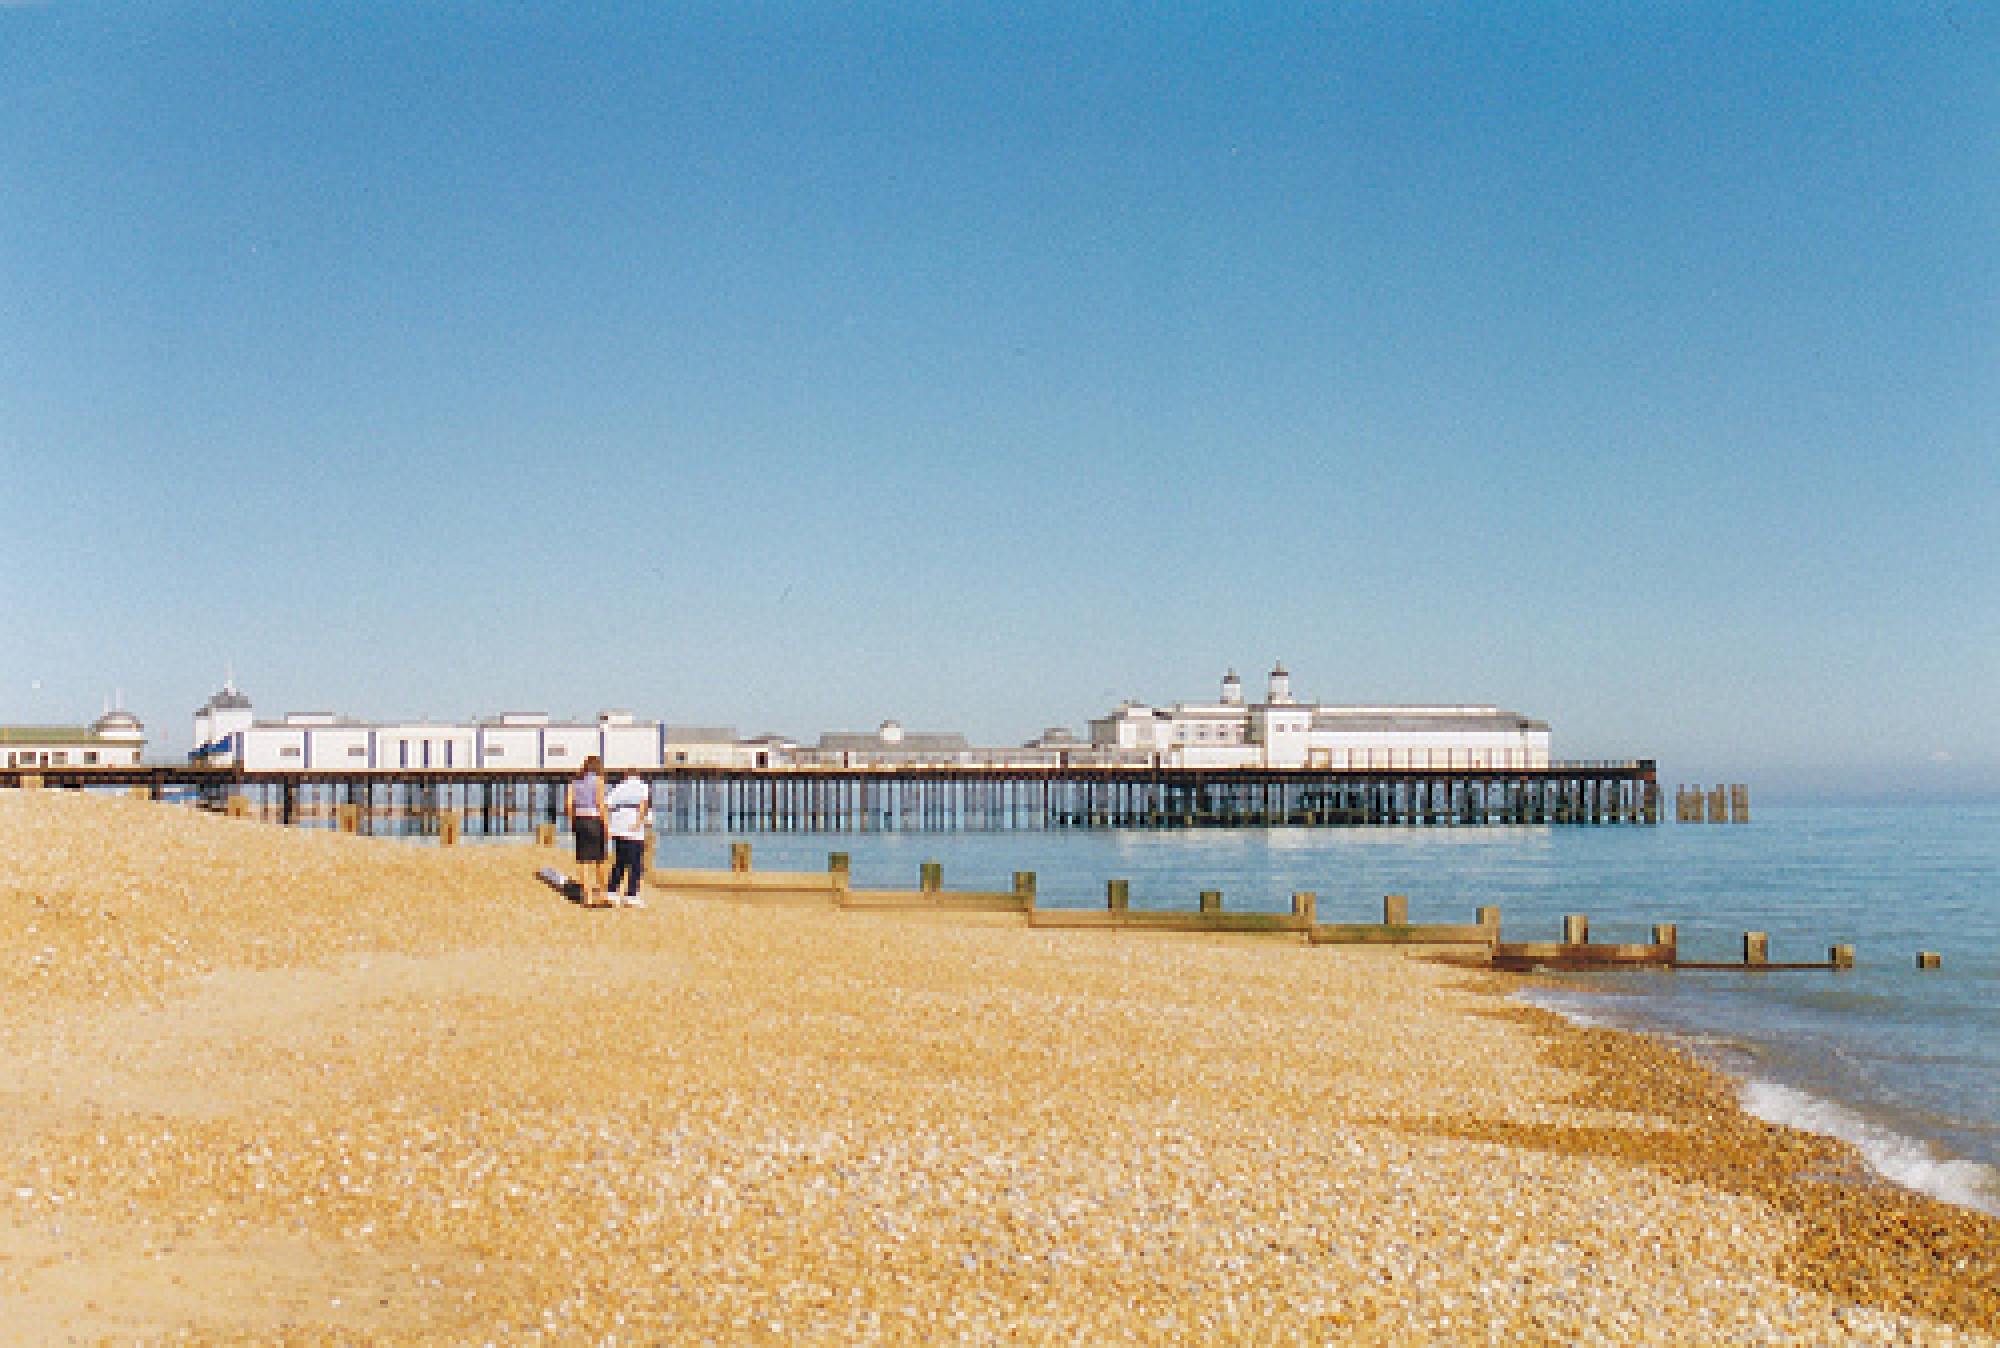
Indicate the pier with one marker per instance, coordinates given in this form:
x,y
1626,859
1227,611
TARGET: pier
x,y
920,799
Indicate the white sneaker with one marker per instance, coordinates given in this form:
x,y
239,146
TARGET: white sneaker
x,y
632,901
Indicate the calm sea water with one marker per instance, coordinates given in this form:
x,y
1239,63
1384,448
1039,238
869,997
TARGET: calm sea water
x,y
1903,1063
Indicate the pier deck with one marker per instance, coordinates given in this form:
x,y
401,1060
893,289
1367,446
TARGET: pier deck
x,y
935,799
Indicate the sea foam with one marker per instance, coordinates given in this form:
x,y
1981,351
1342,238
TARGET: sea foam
x,y
1900,1159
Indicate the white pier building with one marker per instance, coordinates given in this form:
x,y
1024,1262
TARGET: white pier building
x,y
1280,732
115,739
227,733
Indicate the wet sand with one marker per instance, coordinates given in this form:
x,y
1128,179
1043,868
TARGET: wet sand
x,y
261,1084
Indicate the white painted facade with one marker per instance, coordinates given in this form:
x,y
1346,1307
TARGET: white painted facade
x,y
1278,732
1281,732
227,732
114,740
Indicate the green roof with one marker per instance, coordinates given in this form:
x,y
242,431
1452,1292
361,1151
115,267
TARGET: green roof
x,y
50,734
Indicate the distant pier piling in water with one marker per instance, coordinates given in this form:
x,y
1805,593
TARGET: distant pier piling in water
x,y
1725,804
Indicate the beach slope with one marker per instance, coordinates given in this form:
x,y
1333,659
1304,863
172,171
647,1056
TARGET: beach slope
x,y
260,1084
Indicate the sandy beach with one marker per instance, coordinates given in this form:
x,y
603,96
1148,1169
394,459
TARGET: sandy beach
x,y
260,1085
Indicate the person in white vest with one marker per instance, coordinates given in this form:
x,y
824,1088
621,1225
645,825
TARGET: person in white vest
x,y
628,814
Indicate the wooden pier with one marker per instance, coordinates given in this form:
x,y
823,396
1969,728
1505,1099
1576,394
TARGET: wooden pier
x,y
925,799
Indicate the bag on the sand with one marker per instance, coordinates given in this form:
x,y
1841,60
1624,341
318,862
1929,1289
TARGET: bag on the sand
x,y
561,884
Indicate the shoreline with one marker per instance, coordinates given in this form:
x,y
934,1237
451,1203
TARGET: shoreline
x,y
1866,1237
267,1083
1900,1156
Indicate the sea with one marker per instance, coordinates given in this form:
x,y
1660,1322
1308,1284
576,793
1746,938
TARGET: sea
x,y
1902,1062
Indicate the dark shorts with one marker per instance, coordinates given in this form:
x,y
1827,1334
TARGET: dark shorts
x,y
589,839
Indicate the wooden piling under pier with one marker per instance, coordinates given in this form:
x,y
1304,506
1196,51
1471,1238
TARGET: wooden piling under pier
x,y
942,798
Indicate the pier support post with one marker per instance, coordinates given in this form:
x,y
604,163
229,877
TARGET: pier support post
x,y
447,828
1117,895
1396,910
1756,948
1211,901
350,818
1576,929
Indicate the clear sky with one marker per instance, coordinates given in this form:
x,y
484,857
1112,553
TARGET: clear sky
x,y
794,366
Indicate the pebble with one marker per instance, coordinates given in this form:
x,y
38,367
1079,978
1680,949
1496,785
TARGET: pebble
x,y
299,1085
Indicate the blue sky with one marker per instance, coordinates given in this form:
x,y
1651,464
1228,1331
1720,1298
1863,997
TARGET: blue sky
x,y
797,366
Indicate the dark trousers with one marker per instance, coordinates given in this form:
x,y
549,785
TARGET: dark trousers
x,y
628,858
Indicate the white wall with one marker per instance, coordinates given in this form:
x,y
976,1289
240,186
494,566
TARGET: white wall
x,y
631,746
510,746
564,747
339,748
425,747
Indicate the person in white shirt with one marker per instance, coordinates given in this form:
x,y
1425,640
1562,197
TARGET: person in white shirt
x,y
628,813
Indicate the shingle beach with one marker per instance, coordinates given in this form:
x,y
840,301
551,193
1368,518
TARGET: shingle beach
x,y
260,1084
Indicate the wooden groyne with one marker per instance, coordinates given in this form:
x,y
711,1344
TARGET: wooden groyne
x,y
929,799
1477,943
1576,952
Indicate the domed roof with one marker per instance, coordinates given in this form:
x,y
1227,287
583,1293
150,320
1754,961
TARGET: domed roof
x,y
118,725
231,698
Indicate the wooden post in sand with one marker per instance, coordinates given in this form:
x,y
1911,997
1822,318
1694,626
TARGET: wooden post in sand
x,y
739,857
239,807
931,876
1117,895
545,834
1211,901
1305,906
1841,956
1929,959
447,828
1024,886
1395,910
1668,935
1576,929
1756,948
1489,915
